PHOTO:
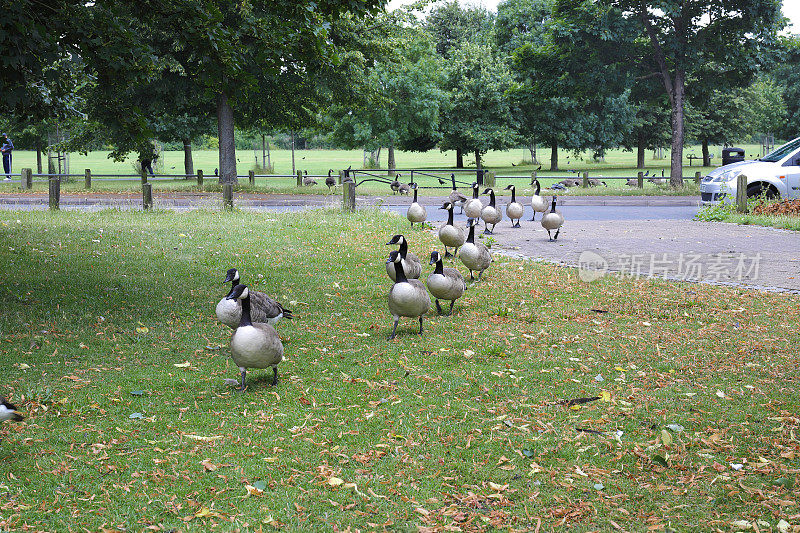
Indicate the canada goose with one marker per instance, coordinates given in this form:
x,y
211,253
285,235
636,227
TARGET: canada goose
x,y
445,283
475,256
632,182
490,214
657,181
553,220
404,188
308,182
473,207
394,185
456,198
347,177
451,235
330,181
514,209
416,212
254,345
407,297
538,203
593,182
8,411
412,266
569,182
263,308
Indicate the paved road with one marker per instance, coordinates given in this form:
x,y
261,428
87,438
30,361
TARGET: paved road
x,y
632,236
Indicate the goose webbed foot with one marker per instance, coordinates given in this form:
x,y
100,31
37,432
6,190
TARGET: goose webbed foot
x,y
557,232
517,225
533,218
438,307
548,234
394,329
451,307
274,375
447,253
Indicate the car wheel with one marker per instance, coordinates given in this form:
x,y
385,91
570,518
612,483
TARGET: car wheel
x,y
757,190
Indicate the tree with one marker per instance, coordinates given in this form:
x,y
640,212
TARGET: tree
x,y
400,103
686,35
478,115
787,75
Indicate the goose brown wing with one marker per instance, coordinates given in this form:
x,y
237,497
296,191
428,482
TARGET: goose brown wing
x,y
264,308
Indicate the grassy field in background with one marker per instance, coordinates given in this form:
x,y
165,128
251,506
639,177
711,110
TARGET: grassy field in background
x,y
617,162
112,350
317,162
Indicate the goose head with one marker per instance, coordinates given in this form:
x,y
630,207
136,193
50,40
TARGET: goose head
x,y
394,257
231,275
413,185
435,258
447,205
239,292
488,191
472,222
397,239
330,171
510,188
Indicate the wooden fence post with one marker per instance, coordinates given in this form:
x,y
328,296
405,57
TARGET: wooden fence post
x,y
199,179
341,177
585,180
252,176
349,196
144,175
640,179
697,176
147,196
299,178
533,177
227,195
489,179
26,177
87,178
741,193
55,192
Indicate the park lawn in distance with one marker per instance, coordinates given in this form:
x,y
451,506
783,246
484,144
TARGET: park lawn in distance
x,y
112,350
618,163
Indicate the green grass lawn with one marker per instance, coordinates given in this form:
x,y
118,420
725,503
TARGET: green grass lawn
x,y
317,162
112,350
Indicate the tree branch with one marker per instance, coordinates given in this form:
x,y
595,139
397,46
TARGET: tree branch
x,y
658,52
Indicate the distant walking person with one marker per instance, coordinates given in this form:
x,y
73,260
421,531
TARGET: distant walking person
x,y
147,162
6,148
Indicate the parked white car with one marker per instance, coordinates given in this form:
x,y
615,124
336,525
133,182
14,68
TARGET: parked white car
x,y
776,175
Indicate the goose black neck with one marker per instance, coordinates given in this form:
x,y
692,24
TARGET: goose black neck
x,y
450,217
491,197
475,192
399,273
453,179
233,284
471,236
415,195
245,320
513,195
554,203
403,248
538,188
439,266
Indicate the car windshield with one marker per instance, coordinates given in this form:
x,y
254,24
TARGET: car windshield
x,y
781,152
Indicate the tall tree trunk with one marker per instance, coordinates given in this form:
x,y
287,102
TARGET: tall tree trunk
x,y
38,156
227,146
478,160
188,163
390,163
532,150
459,158
554,156
378,158
640,150
678,132
294,171
706,155
264,152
